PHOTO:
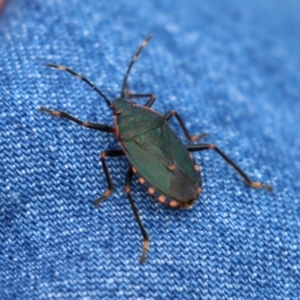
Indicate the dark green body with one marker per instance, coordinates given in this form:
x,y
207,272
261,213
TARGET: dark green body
x,y
155,151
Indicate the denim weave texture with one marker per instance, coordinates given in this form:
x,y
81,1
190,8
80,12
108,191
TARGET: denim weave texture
x,y
230,68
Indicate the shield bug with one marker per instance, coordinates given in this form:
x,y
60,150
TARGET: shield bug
x,y
161,162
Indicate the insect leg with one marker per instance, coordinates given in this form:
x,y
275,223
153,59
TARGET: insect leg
x,y
135,212
62,68
61,114
150,101
253,184
109,153
129,95
193,138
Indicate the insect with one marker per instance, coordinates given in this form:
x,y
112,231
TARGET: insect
x,y
161,162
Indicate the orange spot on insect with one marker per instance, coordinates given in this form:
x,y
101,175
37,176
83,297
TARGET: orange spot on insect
x,y
256,184
127,189
194,138
196,167
142,180
106,194
187,204
199,190
86,124
173,203
133,169
55,113
171,167
151,190
191,156
161,198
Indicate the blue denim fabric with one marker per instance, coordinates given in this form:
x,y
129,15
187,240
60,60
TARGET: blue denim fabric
x,y
227,67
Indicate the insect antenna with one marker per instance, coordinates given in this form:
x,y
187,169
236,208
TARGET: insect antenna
x,y
134,58
62,68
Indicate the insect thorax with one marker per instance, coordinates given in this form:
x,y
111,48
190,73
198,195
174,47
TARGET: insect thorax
x,y
135,120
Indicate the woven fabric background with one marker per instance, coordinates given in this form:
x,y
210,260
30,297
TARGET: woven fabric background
x,y
228,67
